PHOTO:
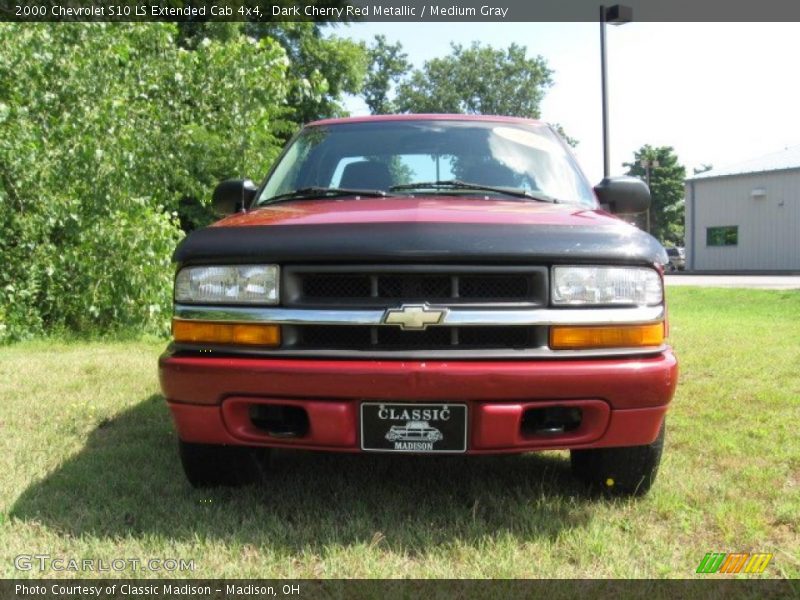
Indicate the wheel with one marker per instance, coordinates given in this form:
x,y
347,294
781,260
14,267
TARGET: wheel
x,y
619,471
211,465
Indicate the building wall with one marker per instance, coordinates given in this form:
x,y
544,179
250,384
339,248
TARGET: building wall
x,y
769,227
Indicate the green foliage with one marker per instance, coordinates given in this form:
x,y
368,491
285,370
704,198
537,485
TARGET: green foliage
x,y
478,80
106,130
388,64
322,68
667,190
474,80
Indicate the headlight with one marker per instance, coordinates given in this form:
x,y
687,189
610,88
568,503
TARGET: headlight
x,y
240,284
606,286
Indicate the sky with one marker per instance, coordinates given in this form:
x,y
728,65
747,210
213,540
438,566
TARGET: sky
x,y
718,93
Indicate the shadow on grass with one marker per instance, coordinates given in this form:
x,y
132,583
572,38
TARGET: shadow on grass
x,y
127,481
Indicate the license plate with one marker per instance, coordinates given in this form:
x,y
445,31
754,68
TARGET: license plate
x,y
406,427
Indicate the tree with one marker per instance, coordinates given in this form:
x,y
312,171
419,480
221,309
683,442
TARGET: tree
x,y
104,129
478,80
112,137
666,188
475,80
388,64
323,69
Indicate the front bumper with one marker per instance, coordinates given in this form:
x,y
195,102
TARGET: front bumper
x,y
623,400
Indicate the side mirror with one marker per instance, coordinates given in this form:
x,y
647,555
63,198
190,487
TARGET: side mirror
x,y
623,194
233,195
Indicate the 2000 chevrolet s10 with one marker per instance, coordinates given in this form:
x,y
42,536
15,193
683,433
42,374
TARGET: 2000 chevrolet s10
x,y
435,284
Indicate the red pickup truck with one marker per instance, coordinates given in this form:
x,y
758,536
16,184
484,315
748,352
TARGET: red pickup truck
x,y
453,271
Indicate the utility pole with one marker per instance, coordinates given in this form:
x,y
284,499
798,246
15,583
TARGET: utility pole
x,y
615,15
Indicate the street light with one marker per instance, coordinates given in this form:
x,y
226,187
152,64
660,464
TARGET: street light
x,y
615,15
648,164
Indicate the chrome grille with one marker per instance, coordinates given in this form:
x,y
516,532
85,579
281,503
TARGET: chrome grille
x,y
380,287
482,331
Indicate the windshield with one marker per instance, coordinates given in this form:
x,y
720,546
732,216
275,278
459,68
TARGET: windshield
x,y
382,155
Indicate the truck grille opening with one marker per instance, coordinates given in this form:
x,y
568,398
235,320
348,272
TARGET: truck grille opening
x,y
392,338
310,286
381,287
434,287
336,286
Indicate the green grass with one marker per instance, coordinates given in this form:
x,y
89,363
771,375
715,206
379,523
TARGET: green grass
x,y
88,468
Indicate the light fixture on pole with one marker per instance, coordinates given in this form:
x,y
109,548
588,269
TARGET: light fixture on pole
x,y
615,15
649,164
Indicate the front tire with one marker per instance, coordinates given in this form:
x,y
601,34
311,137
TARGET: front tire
x,y
627,471
207,465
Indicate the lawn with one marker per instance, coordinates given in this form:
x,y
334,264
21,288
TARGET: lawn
x,y
88,468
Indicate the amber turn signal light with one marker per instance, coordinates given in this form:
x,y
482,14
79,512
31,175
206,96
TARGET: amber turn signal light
x,y
210,332
614,336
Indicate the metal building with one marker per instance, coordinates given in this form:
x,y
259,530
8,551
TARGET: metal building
x,y
745,217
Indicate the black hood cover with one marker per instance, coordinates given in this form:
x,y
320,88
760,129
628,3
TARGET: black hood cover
x,y
465,243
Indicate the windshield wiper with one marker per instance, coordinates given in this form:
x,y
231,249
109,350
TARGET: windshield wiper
x,y
464,185
308,193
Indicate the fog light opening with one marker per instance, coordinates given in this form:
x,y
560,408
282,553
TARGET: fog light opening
x,y
550,420
280,420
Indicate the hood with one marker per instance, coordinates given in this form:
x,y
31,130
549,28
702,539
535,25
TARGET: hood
x,y
433,229
438,209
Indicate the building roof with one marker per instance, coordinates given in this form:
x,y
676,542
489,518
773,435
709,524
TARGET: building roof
x,y
783,160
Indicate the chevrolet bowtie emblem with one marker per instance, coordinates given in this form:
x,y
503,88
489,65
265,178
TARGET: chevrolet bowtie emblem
x,y
415,317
